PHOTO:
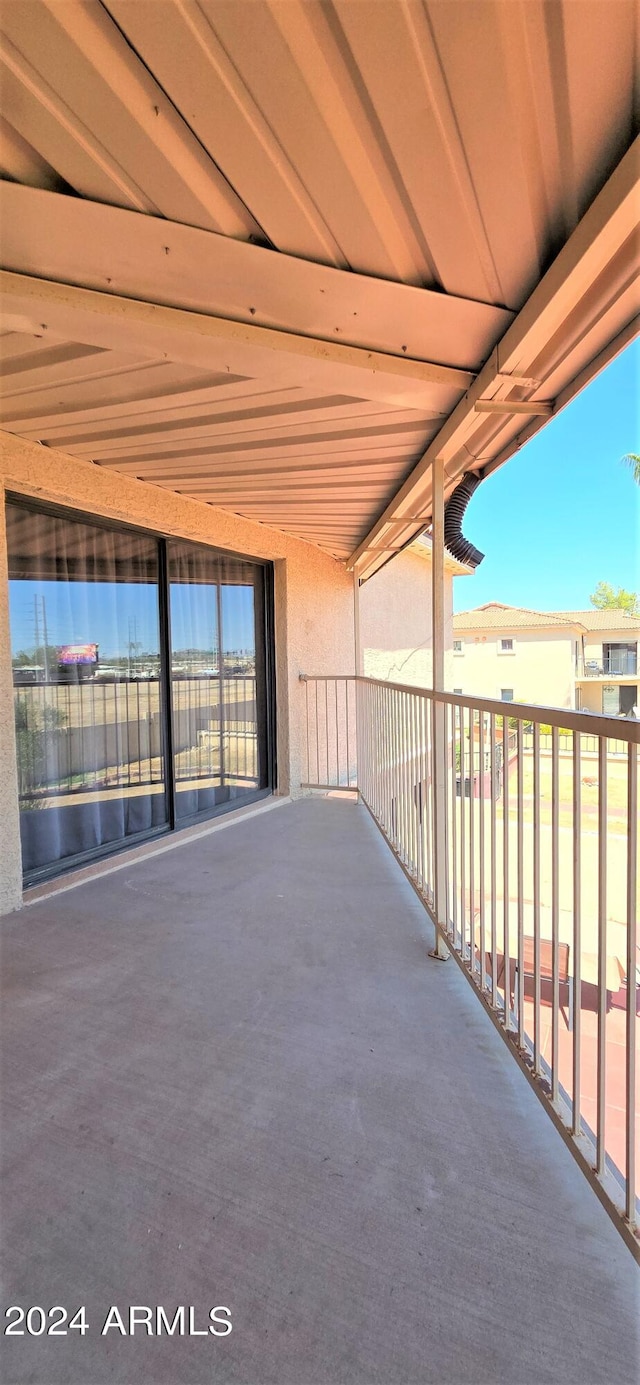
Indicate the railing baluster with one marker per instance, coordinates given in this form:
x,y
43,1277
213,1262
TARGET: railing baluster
x,y
472,838
463,817
421,708
577,934
404,773
335,689
494,874
632,924
326,730
520,854
555,909
483,970
428,725
415,847
306,692
445,813
454,832
601,1072
346,719
536,898
506,903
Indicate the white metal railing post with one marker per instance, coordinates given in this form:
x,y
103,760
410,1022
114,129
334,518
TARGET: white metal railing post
x,y
440,950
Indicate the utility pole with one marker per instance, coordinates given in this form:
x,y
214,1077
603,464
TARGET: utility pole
x,y
36,624
45,635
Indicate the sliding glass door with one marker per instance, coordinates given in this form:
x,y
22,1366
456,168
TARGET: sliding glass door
x,y
86,673
141,691
218,697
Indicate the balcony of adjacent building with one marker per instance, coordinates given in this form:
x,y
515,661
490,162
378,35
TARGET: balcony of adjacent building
x,y
614,661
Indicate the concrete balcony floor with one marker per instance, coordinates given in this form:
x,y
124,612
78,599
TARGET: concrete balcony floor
x,y
233,1076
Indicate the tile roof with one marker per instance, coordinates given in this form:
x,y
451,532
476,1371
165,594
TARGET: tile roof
x,y
495,615
610,619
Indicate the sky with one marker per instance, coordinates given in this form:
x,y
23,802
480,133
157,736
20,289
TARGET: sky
x,y
118,615
564,513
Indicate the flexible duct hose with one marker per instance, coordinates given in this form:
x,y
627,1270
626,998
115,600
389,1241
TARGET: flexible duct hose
x,y
454,510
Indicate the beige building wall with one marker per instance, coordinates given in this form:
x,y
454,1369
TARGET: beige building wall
x,y
314,617
395,621
589,696
594,640
541,669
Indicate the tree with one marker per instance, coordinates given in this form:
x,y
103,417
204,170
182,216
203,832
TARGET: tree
x,y
606,598
632,460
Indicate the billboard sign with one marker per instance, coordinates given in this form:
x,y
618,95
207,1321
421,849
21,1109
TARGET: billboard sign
x,y
77,654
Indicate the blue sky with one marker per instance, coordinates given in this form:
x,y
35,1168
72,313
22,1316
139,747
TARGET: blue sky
x,y
115,615
564,513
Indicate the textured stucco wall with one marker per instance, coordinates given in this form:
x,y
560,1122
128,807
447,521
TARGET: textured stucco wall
x,y
395,621
313,601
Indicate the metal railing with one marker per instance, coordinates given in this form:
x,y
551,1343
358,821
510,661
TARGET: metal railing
x,y
622,665
527,864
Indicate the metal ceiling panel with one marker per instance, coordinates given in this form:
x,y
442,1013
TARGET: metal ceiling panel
x,y
275,245
320,466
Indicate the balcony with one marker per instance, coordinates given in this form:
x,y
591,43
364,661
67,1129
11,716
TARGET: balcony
x,y
622,665
522,845
234,1075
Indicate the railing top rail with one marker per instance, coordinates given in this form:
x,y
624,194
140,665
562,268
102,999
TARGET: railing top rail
x,y
588,723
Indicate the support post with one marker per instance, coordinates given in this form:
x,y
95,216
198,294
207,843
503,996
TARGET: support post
x,y
359,691
440,952
356,626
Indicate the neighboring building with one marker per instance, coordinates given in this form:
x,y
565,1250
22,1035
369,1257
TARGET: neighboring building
x,y
607,668
395,617
584,659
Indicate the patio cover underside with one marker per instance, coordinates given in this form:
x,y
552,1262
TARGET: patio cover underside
x,y
273,256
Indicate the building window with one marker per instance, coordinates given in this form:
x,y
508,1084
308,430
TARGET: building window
x,y
457,646
458,691
141,695
506,694
506,646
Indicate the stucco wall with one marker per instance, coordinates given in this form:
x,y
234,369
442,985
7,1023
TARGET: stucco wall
x,y
589,696
395,621
313,602
595,639
540,670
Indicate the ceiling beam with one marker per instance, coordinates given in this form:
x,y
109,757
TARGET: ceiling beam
x,y
73,241
42,307
513,406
